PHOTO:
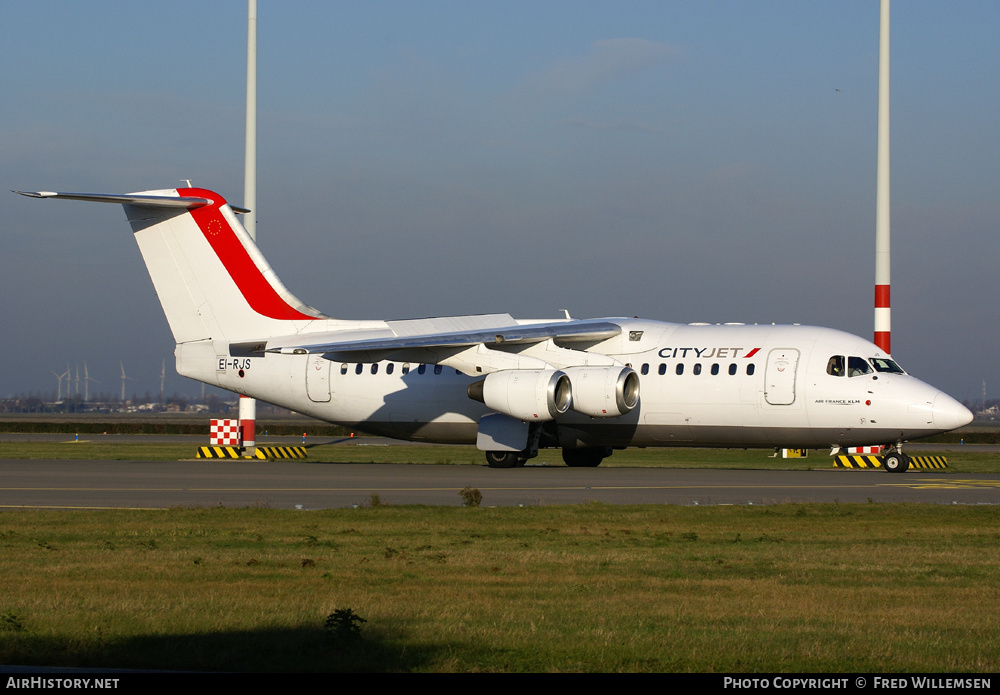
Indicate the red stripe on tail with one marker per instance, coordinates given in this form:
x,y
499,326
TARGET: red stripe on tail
x,y
254,287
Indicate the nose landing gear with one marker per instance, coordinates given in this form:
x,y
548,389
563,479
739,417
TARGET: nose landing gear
x,y
895,461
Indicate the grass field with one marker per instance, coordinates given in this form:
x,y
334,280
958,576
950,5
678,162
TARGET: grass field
x,y
594,588
867,588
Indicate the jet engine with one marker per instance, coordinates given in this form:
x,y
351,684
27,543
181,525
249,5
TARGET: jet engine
x,y
604,391
529,395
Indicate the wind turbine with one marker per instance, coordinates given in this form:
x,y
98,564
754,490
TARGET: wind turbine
x,y
86,383
59,378
123,380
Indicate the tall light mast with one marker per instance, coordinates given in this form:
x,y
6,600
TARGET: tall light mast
x,y
882,321
248,406
250,162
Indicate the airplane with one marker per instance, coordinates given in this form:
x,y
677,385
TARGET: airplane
x,y
510,386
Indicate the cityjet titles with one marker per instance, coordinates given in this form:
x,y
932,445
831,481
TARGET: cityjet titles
x,y
720,353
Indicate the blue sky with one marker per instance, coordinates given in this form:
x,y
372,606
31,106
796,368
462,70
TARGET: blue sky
x,y
683,161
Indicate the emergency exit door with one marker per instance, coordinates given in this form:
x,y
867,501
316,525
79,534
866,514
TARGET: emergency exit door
x,y
318,378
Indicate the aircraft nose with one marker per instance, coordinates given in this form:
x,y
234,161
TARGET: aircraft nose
x,y
948,413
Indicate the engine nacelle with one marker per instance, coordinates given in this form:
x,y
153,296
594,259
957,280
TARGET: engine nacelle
x,y
529,395
604,391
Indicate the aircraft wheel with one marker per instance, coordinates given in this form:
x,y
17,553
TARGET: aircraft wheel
x,y
502,459
895,462
584,458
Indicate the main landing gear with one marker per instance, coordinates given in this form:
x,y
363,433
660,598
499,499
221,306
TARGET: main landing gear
x,y
516,459
589,457
575,458
505,459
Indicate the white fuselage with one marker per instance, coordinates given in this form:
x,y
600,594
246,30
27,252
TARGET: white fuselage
x,y
701,385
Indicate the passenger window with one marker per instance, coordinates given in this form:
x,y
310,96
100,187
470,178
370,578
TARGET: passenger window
x,y
679,370
697,369
421,369
645,369
857,366
343,368
715,369
374,367
750,370
835,366
732,369
437,368
390,367
406,368
663,369
360,368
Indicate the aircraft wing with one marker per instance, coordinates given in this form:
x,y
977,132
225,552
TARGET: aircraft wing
x,y
484,344
516,334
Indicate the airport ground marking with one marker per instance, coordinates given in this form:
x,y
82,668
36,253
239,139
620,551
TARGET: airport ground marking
x,y
948,484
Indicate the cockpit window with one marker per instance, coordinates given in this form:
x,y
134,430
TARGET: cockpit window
x,y
856,366
883,365
835,367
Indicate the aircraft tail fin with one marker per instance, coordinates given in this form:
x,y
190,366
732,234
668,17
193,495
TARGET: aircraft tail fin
x,y
210,277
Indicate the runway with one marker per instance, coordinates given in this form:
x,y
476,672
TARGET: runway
x,y
66,484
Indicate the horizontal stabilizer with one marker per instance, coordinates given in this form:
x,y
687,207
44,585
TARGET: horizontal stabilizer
x,y
158,201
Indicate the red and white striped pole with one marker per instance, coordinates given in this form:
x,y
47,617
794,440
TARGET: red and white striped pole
x,y
248,425
249,405
883,324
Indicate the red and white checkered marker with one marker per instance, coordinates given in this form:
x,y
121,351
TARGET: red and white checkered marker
x,y
225,433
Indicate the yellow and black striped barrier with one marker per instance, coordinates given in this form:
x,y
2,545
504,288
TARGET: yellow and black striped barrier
x,y
857,461
281,452
219,452
263,453
868,461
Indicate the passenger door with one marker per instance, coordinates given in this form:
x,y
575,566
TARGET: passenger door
x,y
779,376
